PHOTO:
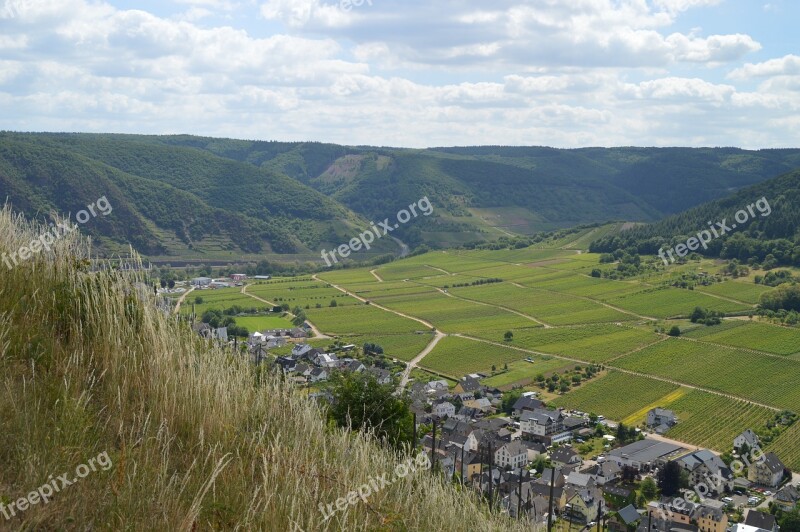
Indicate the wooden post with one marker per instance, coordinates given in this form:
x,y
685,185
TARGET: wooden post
x,y
491,482
462,464
414,433
433,449
550,503
519,494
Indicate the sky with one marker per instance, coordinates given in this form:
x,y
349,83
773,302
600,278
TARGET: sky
x,y
408,73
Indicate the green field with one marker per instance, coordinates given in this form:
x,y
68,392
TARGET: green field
x,y
457,357
592,343
749,292
523,372
766,379
262,323
616,395
220,299
757,336
709,420
665,302
749,361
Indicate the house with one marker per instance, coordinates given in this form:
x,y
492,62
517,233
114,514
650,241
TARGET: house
x,y
201,281
482,404
710,519
443,408
352,366
262,277
541,423
533,507
767,471
661,420
301,349
468,384
433,386
565,456
761,521
297,332
787,498
511,455
704,467
287,364
535,449
747,438
238,277
467,414
676,512
645,454
382,376
604,473
585,505
527,402
581,480
318,374
326,360
220,333
624,520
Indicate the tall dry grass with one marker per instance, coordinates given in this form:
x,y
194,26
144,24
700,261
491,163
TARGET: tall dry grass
x,y
88,364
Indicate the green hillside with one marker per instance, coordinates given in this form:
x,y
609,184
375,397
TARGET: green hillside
x,y
197,198
773,230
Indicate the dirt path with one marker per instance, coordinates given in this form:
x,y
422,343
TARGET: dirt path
x,y
180,301
417,359
501,307
439,269
376,276
317,333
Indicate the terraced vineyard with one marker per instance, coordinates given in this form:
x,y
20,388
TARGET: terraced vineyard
x,y
766,379
561,317
712,421
758,336
616,395
457,357
592,343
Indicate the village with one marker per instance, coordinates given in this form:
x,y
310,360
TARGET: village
x,y
535,462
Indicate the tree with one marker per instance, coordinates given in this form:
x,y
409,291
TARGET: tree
x,y
675,331
362,404
171,284
509,398
198,300
163,283
597,272
669,479
333,303
649,489
508,336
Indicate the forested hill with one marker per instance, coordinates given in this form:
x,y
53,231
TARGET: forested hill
x,y
774,230
222,199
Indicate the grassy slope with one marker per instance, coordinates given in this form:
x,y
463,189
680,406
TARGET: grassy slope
x,y
87,366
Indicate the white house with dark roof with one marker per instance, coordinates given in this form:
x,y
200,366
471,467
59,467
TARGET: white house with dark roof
x,y
443,408
542,422
661,420
748,438
513,455
768,471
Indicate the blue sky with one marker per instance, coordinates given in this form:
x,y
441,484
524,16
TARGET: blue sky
x,y
412,73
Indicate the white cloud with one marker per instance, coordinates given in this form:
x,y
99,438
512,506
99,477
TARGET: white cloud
x,y
786,65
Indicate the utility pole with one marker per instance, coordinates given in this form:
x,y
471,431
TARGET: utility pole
x,y
550,503
414,432
462,463
433,449
491,481
519,494
599,513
